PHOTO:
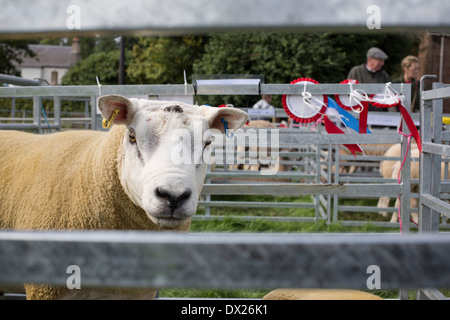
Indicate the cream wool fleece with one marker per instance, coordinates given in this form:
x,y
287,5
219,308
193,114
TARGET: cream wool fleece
x,y
65,181
319,294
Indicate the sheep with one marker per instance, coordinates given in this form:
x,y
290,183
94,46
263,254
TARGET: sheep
x,y
319,294
129,177
393,168
395,150
388,172
253,124
260,159
369,150
415,168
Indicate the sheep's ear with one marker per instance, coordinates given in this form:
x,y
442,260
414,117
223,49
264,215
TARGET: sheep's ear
x,y
235,118
110,103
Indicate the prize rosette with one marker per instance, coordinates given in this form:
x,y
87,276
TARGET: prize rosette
x,y
350,102
390,98
381,100
305,108
356,101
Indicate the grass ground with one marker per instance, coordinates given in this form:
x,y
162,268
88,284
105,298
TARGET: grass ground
x,y
236,224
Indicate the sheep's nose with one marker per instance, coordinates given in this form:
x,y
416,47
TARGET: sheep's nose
x,y
175,199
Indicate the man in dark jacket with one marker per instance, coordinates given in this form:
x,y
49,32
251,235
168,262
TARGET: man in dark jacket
x,y
371,71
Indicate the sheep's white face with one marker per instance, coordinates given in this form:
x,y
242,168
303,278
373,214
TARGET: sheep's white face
x,y
163,165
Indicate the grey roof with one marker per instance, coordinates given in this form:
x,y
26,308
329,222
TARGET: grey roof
x,y
49,56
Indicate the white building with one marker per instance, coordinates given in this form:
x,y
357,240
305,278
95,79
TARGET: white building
x,y
50,63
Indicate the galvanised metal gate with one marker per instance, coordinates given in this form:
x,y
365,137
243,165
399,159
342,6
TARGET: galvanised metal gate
x,y
434,188
292,143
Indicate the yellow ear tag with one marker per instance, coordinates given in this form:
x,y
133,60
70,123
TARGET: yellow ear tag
x,y
107,123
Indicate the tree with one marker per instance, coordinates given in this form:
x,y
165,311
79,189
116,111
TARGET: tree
x,y
12,52
160,60
279,57
283,57
105,65
99,57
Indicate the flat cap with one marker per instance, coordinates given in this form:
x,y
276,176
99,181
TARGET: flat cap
x,y
376,53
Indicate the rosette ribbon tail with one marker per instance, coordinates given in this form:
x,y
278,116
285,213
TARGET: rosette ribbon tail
x,y
363,117
331,128
411,126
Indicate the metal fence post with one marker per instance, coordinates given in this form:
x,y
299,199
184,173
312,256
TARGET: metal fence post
x,y
425,159
437,108
405,198
37,113
57,112
94,112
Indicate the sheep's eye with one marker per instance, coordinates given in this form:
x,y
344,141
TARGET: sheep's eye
x,y
132,137
207,143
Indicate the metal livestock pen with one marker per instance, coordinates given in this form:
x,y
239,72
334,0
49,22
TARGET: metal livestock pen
x,y
290,139
142,259
301,148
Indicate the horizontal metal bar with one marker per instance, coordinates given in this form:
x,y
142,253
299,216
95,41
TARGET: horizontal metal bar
x,y
227,89
445,136
26,126
445,187
318,139
301,188
372,158
223,260
180,89
254,204
257,218
381,224
441,93
257,174
366,209
292,140
152,17
4,78
436,204
435,148
74,119
83,91
13,296
296,154
352,178
328,88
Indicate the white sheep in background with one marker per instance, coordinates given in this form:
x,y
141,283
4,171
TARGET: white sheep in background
x,y
263,124
369,150
386,170
127,178
391,169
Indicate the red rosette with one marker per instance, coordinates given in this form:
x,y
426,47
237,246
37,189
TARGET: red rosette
x,y
343,100
378,100
297,110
